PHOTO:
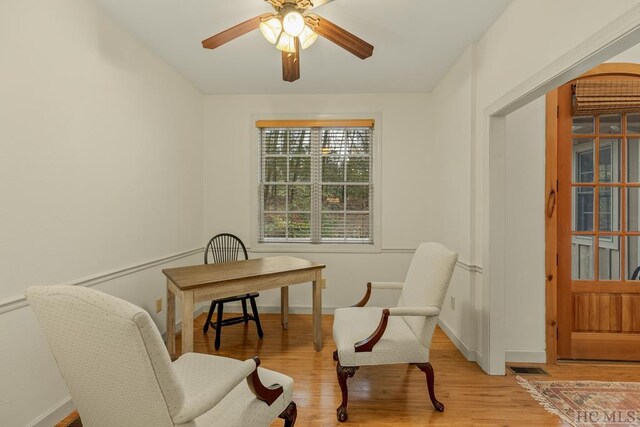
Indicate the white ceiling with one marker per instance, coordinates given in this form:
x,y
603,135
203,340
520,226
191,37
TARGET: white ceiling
x,y
416,42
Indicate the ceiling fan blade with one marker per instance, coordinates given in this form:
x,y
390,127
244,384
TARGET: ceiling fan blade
x,y
343,38
318,3
291,64
233,32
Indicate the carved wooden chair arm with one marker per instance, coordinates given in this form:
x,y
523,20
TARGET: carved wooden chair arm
x,y
368,343
377,285
267,394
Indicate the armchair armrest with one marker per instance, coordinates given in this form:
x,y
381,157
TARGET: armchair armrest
x,y
377,285
387,285
368,343
414,311
267,394
203,400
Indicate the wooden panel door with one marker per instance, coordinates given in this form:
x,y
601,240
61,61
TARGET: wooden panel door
x,y
598,234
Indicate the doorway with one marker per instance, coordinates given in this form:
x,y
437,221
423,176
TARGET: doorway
x,y
593,208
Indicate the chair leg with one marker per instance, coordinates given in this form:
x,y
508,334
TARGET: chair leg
x,y
289,415
245,315
219,326
252,300
344,372
335,355
205,328
428,370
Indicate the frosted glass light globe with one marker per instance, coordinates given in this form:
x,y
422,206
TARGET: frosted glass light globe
x,y
293,23
271,29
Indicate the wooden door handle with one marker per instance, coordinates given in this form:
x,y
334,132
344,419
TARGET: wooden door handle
x,y
551,203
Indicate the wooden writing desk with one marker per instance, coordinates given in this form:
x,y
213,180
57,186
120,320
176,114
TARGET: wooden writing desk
x,y
207,282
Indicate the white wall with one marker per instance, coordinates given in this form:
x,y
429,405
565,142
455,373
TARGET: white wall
x,y
525,278
407,161
451,212
100,170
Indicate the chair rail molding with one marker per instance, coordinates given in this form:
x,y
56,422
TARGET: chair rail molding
x,y
19,301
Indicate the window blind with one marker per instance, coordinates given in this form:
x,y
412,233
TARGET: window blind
x,y
596,96
316,183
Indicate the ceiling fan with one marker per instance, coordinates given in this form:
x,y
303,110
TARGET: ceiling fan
x,y
292,28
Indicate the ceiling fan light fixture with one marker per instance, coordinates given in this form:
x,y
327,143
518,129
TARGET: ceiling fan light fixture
x,y
307,38
293,23
271,29
286,43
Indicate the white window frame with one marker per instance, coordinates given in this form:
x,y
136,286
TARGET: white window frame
x,y
300,247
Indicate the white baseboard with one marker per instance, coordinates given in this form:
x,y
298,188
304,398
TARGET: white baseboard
x,y
469,354
530,356
55,414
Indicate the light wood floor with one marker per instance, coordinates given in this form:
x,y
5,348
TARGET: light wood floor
x,y
394,395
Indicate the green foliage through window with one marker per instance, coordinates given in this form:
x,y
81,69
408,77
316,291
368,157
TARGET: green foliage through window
x,y
316,185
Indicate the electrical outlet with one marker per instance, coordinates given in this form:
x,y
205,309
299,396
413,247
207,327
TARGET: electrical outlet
x,y
453,303
158,305
323,283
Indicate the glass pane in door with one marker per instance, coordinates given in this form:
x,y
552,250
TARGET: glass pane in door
x,y
609,258
633,258
583,149
609,161
582,258
609,209
611,124
583,209
633,209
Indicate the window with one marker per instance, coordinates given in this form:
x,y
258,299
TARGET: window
x,y
315,181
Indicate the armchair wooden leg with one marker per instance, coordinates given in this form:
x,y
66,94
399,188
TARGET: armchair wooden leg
x,y
428,370
335,355
289,415
344,372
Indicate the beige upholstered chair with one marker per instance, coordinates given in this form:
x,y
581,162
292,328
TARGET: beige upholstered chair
x,y
402,334
118,371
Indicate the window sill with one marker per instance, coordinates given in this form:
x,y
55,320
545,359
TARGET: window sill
x,y
311,248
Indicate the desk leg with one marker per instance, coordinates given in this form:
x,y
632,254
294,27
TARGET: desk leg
x,y
171,321
317,311
187,322
284,307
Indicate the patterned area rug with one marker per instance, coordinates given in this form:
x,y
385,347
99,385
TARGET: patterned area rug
x,y
588,403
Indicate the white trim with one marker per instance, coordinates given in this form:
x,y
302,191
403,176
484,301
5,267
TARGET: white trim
x,y
472,268
617,36
54,414
468,354
19,301
522,356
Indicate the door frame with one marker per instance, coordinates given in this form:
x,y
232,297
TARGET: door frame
x,y
551,188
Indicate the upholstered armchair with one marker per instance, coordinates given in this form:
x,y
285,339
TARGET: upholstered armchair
x,y
401,334
118,371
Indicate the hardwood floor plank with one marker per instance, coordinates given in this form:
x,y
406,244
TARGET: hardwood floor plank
x,y
394,395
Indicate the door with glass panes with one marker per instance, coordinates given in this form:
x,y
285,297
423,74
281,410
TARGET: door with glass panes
x,y
598,226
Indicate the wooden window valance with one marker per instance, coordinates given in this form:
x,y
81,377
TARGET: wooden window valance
x,y
366,123
597,96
